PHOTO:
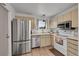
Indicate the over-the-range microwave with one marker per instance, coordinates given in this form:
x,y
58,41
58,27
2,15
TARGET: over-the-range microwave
x,y
65,25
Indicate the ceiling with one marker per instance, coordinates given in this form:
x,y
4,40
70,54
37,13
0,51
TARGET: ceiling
x,y
38,9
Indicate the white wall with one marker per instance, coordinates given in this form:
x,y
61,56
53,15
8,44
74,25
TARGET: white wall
x,y
11,15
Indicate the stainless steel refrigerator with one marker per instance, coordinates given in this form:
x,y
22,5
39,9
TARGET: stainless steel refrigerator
x,y
21,36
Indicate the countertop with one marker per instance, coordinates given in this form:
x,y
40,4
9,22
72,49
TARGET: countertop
x,y
55,34
73,37
41,34
68,37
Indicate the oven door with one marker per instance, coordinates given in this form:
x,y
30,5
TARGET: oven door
x,y
60,43
59,40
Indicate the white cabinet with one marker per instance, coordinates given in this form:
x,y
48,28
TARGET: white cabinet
x,y
72,47
42,41
45,41
53,22
67,16
75,18
52,40
71,15
60,19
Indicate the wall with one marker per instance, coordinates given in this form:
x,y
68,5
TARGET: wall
x,y
11,15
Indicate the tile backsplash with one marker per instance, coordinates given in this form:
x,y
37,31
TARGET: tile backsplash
x,y
68,32
40,30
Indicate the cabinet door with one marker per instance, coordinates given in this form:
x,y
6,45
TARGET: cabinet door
x,y
70,54
60,19
64,17
47,41
52,40
54,22
33,23
75,18
72,47
42,41
50,23
67,16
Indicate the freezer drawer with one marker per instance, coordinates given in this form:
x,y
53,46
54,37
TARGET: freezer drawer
x,y
17,48
20,48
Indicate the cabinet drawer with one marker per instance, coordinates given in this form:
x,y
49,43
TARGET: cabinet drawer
x,y
73,46
73,51
75,42
70,54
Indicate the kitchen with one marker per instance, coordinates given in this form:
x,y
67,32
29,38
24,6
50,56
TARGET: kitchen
x,y
59,32
62,32
44,29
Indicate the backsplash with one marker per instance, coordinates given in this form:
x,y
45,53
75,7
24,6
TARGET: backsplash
x,y
40,30
57,30
65,32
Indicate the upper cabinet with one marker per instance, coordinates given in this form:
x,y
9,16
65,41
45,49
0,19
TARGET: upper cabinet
x,y
60,19
33,23
67,16
53,22
75,18
71,15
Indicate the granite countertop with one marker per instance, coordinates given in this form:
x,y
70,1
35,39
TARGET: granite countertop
x,y
41,34
73,37
55,34
69,37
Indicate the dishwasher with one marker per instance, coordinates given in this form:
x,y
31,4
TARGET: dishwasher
x,y
35,42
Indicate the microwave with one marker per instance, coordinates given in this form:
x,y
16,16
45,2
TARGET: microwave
x,y
65,25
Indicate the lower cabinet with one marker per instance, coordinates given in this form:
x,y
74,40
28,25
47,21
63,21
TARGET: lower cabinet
x,y
42,41
72,47
52,40
45,40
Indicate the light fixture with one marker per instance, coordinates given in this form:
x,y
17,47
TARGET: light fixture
x,y
43,17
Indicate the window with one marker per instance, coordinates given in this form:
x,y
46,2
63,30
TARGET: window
x,y
41,24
